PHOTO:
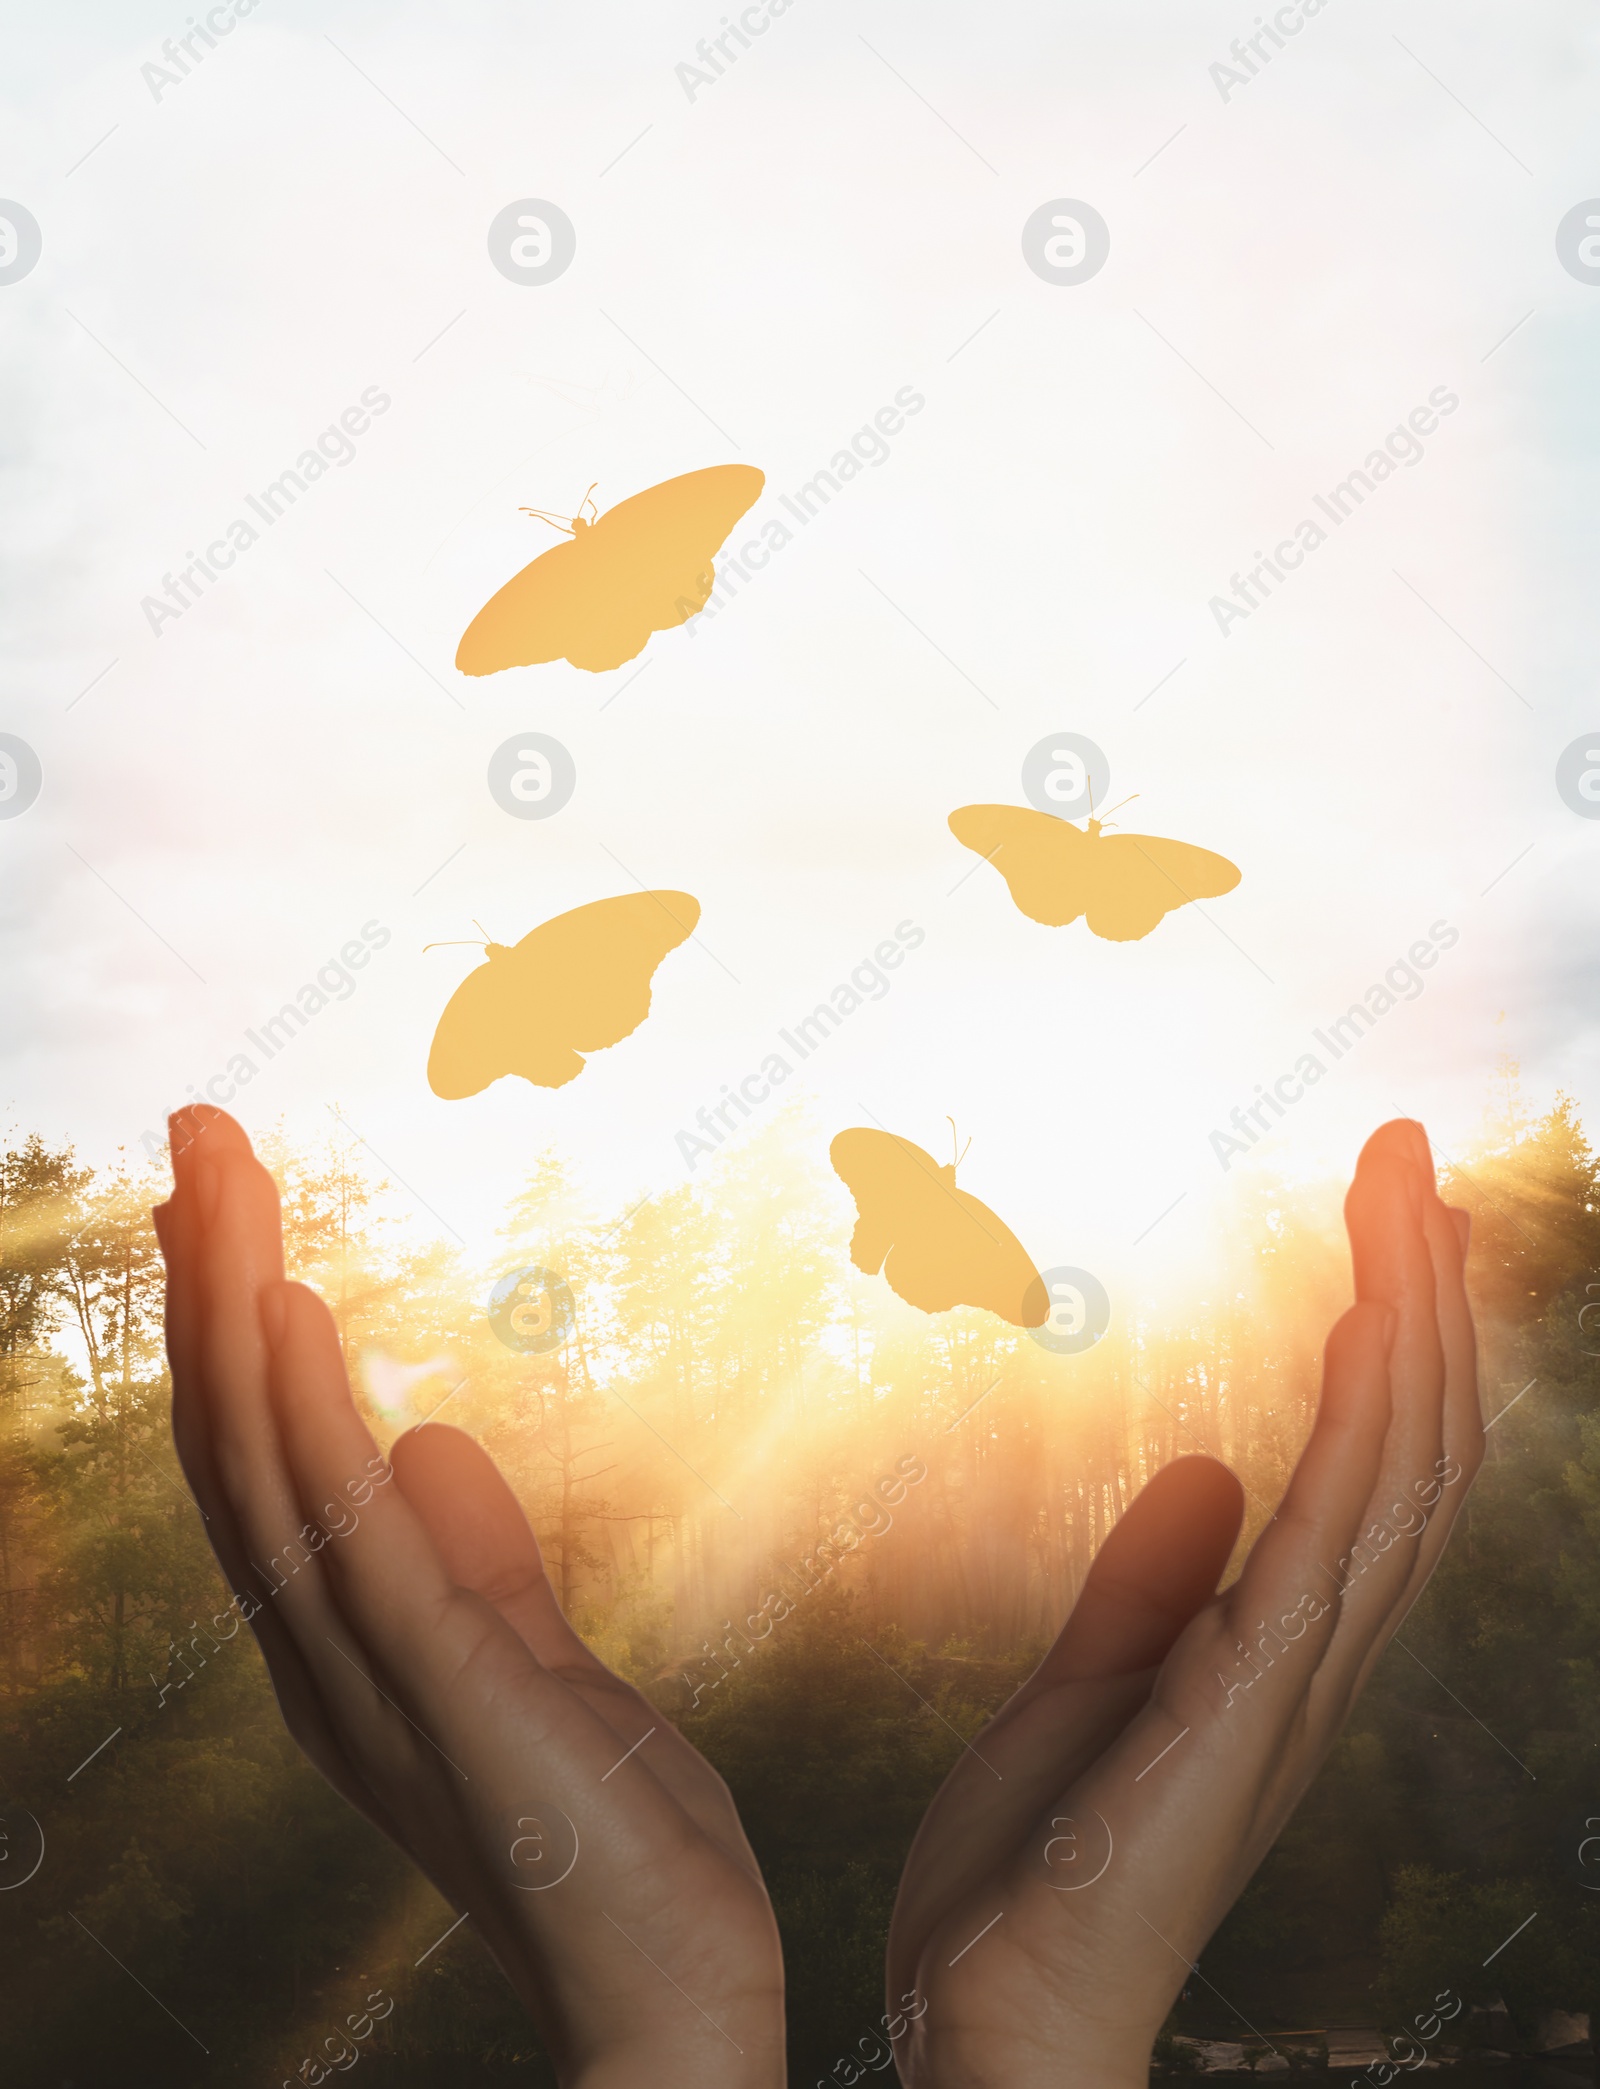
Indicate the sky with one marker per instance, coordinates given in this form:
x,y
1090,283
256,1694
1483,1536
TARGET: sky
x,y
1299,258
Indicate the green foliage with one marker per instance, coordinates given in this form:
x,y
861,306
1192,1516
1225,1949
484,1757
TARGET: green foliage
x,y
1440,1928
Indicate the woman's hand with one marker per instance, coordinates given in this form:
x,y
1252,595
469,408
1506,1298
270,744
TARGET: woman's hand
x,y
422,1662
1086,1846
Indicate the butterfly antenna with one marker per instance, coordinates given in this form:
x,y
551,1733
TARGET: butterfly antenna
x,y
955,1158
586,502
1119,805
461,942
560,522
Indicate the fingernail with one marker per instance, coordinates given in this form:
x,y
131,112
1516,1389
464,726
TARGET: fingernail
x,y
207,1189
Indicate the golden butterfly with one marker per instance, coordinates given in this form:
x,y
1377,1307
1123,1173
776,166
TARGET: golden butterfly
x,y
1121,884
936,1245
575,984
643,566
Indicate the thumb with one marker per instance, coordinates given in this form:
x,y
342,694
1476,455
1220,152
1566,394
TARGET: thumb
x,y
1160,1565
483,1538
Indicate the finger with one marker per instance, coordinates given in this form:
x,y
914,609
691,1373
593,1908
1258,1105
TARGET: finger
x,y
1384,1215
1425,1515
190,1133
392,1591
1402,1243
482,1537
190,1438
1463,1413
1288,1577
1159,1566
485,1544
1389,1210
438,1653
195,1134
234,1203
397,1636
1324,1574
1285,1615
338,1482
1379,1222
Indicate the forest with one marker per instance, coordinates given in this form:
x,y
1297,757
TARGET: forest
x,y
735,1430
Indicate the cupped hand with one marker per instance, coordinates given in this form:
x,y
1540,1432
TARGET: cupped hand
x,y
422,1662
1093,1836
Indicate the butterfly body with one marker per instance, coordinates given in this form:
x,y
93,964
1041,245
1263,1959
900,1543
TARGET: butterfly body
x,y
1120,884
641,567
575,984
936,1245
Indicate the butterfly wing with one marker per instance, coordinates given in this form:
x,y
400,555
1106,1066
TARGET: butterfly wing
x,y
887,1177
656,549
937,1246
525,623
575,984
1045,861
645,566
1135,879
486,1032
